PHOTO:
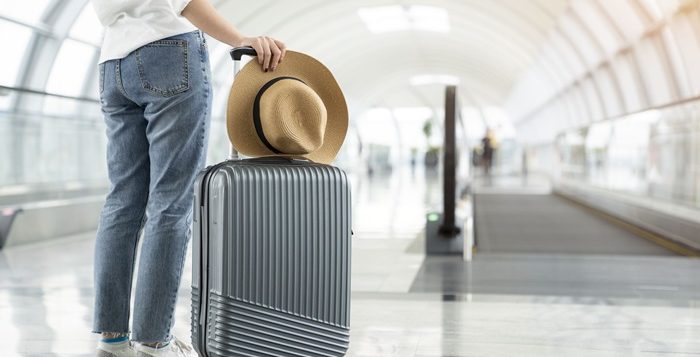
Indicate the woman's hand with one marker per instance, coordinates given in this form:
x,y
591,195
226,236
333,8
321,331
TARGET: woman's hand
x,y
270,51
202,14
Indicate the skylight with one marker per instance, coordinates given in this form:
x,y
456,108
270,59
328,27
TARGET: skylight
x,y
381,19
423,79
429,18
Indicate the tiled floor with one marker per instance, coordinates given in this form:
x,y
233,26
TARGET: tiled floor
x,y
404,304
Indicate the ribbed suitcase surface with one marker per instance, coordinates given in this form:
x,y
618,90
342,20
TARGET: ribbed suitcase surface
x,y
272,248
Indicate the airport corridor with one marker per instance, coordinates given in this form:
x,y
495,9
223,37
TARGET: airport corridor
x,y
361,178
524,297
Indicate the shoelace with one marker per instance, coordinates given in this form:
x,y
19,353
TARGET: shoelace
x,y
185,347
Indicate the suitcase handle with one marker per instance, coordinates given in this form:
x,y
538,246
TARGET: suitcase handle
x,y
279,160
238,52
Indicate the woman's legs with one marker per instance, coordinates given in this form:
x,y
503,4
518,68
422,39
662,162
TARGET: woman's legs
x,y
177,148
124,210
157,104
171,79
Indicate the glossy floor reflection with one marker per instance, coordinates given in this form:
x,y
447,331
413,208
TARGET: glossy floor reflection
x,y
404,304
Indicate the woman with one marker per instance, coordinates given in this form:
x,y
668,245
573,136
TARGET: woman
x,y
155,91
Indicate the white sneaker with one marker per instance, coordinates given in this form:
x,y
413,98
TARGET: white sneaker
x,y
122,349
175,348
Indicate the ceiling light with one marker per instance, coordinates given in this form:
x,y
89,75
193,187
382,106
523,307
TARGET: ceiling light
x,y
385,18
424,79
392,18
429,18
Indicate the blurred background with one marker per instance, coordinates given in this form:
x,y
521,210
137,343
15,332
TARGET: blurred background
x,y
591,109
599,93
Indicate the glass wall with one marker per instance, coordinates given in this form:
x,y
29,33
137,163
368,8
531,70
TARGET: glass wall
x,y
653,154
52,133
628,122
17,43
51,128
618,57
52,149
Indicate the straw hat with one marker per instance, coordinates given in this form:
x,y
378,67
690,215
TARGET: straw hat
x,y
297,110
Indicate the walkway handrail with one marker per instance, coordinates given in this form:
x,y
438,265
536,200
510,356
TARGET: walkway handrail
x,y
55,95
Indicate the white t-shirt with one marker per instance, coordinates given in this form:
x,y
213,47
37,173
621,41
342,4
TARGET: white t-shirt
x,y
130,24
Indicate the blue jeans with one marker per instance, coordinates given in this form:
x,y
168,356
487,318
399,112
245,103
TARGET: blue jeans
x,y
157,106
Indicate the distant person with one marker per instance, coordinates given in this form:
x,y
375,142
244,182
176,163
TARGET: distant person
x,y
413,159
155,89
487,149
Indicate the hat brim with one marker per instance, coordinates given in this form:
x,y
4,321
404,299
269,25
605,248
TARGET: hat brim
x,y
239,118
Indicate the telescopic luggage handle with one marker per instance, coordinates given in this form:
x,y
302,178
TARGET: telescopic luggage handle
x,y
236,54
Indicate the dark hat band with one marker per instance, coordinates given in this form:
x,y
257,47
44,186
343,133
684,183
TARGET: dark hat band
x,y
256,112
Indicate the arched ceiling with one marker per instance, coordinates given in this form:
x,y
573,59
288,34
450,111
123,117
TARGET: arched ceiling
x,y
489,45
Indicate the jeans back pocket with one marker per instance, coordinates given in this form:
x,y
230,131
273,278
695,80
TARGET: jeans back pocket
x,y
163,67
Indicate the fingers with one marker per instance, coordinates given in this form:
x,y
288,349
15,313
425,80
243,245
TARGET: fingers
x,y
270,52
282,48
257,44
267,53
276,54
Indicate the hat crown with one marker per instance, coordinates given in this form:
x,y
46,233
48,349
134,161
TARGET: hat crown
x,y
293,117
297,110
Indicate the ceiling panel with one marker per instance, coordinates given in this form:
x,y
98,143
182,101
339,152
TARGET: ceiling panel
x,y
489,45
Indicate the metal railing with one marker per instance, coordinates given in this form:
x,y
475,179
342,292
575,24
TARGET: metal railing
x,y
4,90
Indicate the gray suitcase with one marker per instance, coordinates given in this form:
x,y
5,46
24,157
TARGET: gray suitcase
x,y
271,259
